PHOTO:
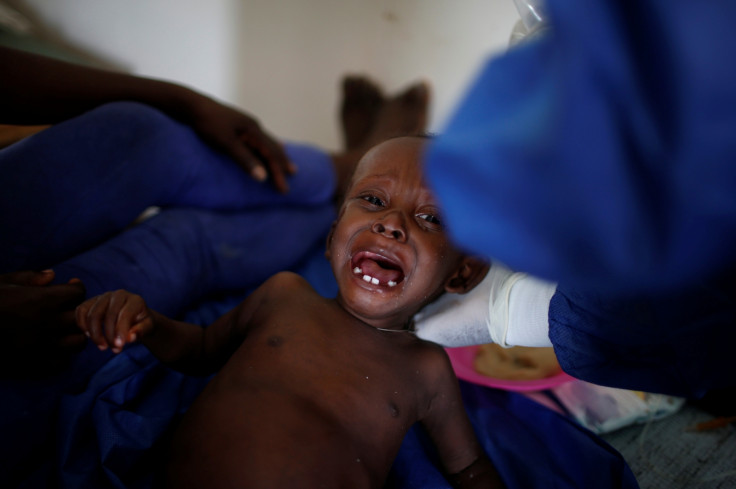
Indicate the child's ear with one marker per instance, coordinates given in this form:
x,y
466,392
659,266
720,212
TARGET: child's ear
x,y
328,253
471,271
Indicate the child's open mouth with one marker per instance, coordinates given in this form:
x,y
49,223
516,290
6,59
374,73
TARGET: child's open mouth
x,y
377,269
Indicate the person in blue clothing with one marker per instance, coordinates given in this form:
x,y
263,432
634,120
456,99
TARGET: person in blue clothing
x,y
71,430
600,155
119,144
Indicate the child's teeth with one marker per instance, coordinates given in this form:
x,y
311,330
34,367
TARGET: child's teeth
x,y
371,280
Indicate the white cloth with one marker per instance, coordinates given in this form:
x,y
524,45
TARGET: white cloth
x,y
509,308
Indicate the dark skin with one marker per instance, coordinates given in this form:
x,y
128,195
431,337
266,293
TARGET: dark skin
x,y
317,392
38,325
40,90
36,317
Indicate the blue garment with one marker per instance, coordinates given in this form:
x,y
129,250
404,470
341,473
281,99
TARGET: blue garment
x,y
530,445
677,344
105,421
112,433
601,154
71,192
77,186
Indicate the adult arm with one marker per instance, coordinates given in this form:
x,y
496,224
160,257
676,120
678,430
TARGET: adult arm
x,y
40,90
37,323
601,154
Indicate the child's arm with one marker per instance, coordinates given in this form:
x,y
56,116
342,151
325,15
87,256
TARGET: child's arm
x,y
40,90
114,319
463,458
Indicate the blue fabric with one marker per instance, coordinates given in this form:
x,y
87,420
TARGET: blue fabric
x,y
530,445
75,189
183,255
112,433
105,420
79,184
678,344
601,154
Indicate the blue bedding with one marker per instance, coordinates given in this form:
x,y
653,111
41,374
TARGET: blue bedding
x,y
105,421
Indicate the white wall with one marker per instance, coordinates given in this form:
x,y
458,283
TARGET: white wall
x,y
282,60
190,41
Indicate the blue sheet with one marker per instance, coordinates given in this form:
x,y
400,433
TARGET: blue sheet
x,y
105,422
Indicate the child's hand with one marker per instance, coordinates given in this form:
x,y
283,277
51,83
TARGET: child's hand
x,y
114,318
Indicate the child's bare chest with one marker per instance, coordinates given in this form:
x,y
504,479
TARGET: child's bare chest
x,y
306,376
314,354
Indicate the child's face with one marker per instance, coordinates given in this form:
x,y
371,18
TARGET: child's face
x,y
388,248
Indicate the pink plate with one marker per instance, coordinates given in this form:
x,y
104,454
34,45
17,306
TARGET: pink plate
x,y
462,362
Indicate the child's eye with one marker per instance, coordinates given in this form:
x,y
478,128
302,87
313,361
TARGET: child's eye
x,y
372,199
430,218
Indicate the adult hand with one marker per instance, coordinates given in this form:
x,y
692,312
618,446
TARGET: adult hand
x,y
46,91
39,332
242,138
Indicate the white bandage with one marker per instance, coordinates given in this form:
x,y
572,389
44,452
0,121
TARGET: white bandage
x,y
500,301
507,307
456,319
529,312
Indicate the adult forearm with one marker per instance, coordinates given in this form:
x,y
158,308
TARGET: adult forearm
x,y
40,90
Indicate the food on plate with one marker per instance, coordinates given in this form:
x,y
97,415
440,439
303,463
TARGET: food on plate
x,y
516,363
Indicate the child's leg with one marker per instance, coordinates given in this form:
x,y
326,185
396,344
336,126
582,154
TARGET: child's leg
x,y
176,257
80,182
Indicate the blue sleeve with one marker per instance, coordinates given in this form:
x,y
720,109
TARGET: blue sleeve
x,y
603,154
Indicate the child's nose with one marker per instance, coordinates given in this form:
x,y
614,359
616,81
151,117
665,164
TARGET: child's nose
x,y
391,225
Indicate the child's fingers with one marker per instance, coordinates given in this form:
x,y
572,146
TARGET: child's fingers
x,y
127,308
143,325
109,319
93,317
131,309
113,328
81,315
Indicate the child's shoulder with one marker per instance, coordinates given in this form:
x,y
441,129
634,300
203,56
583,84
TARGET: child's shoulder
x,y
272,295
286,281
281,287
436,363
